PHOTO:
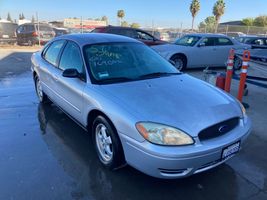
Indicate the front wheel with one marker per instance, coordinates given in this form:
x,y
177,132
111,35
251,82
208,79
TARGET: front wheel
x,y
107,143
179,62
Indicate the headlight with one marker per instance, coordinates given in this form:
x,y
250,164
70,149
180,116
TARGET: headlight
x,y
243,109
162,134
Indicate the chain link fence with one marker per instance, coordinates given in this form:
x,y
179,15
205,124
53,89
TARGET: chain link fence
x,y
235,29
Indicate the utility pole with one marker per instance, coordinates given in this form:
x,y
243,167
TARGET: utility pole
x,y
81,24
38,25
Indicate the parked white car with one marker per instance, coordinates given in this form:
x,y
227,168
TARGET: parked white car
x,y
199,50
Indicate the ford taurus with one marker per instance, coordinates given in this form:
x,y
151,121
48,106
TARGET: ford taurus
x,y
139,108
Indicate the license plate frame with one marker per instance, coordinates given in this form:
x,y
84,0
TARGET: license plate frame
x,y
230,150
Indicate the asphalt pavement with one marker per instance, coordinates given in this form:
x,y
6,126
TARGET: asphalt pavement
x,y
45,155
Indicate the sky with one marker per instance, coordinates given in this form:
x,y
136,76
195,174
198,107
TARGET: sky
x,y
161,13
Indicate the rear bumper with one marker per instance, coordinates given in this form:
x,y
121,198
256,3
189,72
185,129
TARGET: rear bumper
x,y
8,40
177,162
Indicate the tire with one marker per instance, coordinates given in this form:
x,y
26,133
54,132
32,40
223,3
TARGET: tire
x,y
179,62
237,63
107,143
38,89
30,43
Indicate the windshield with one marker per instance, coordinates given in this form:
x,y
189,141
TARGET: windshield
x,y
120,62
187,40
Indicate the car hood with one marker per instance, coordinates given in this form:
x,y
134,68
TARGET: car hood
x,y
180,101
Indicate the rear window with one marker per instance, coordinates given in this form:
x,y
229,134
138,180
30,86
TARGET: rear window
x,y
44,28
8,27
98,30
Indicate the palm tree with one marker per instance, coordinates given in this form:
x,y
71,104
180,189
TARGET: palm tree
x,y
194,8
120,15
218,11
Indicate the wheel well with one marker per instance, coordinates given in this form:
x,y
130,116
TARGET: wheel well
x,y
180,54
91,117
34,74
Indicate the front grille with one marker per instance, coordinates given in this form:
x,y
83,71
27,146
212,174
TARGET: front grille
x,y
219,129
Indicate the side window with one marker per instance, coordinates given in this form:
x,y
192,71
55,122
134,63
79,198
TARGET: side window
x,y
210,41
144,36
53,50
71,58
258,42
221,41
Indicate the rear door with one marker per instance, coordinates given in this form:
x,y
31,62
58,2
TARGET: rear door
x,y
223,46
48,68
70,90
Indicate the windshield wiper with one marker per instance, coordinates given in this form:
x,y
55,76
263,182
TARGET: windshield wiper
x,y
115,80
159,74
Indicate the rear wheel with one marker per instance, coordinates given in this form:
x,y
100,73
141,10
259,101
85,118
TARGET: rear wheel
x,y
107,143
237,63
39,91
179,62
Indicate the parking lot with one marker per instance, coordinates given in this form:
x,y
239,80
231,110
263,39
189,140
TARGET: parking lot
x,y
45,155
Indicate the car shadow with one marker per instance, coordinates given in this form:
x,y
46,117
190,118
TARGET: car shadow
x,y
15,63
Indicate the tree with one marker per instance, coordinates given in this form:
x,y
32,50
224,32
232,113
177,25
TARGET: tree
x,y
208,24
135,25
248,21
104,18
194,8
120,15
22,16
8,17
218,11
19,16
261,21
33,19
124,24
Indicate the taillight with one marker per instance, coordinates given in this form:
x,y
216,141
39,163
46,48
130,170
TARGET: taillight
x,y
35,34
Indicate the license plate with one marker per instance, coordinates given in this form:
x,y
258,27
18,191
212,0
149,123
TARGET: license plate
x,y
230,150
5,36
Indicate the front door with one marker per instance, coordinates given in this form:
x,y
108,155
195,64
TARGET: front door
x,y
70,90
205,53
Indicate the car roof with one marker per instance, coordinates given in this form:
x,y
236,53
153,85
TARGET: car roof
x,y
95,38
207,34
120,27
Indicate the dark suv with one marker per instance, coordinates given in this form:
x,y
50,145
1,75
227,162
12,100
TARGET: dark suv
x,y
138,34
29,34
8,32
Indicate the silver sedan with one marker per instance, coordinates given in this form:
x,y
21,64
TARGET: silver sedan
x,y
199,50
139,109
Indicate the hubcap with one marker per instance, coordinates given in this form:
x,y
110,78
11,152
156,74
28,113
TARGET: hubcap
x,y
39,90
103,143
179,64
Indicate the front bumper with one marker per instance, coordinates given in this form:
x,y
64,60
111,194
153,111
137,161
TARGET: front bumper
x,y
177,162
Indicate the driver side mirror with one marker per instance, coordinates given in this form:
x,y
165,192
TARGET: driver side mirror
x,y
201,44
71,73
